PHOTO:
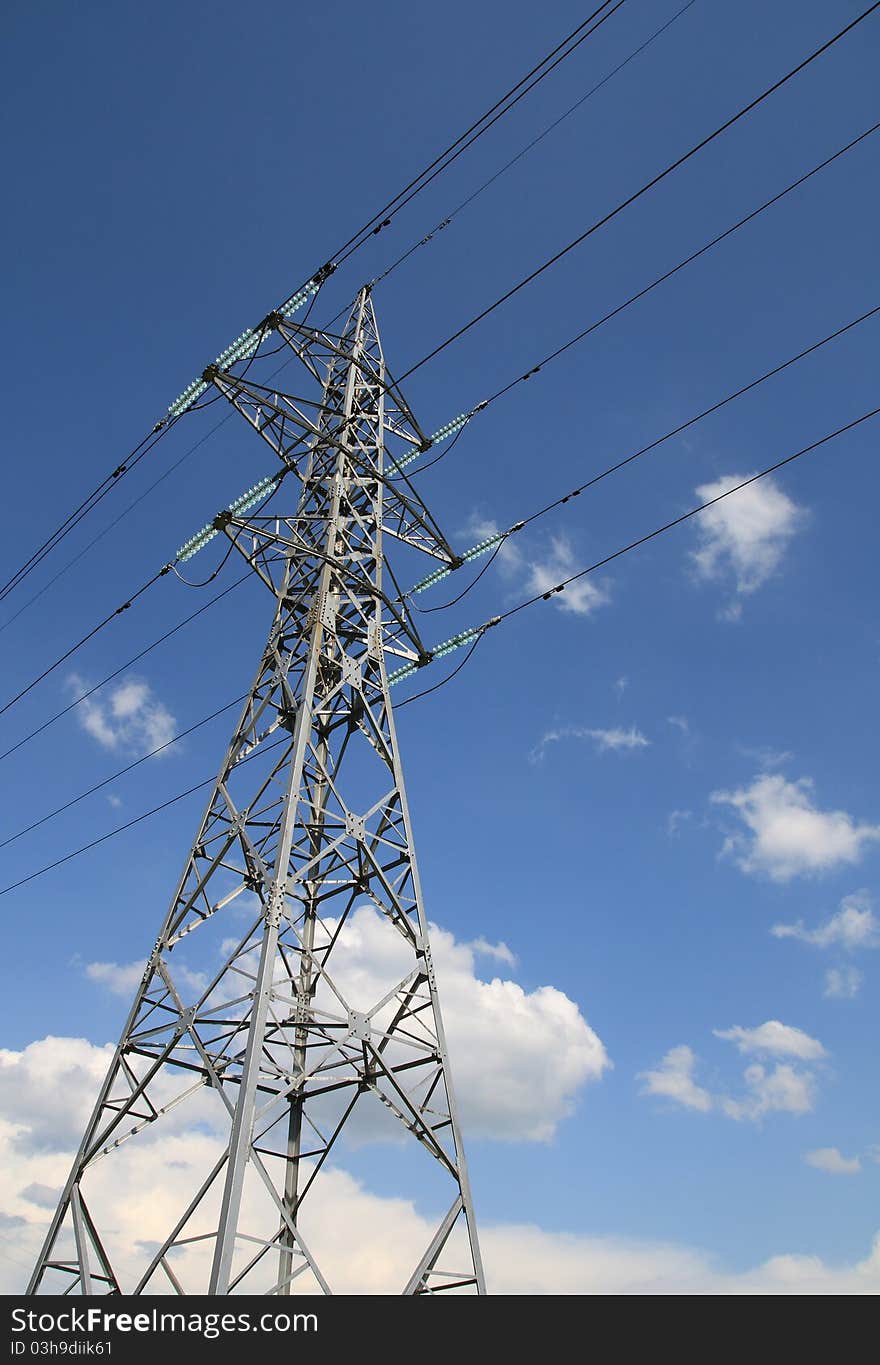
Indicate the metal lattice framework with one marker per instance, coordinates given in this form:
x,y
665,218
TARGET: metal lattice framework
x,y
249,1015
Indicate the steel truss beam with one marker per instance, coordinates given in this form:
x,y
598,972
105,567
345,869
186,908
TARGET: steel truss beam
x,y
307,823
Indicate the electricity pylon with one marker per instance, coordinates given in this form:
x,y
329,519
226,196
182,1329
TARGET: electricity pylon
x,y
286,1049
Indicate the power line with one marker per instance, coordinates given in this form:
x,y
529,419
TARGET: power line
x,y
594,326
475,194
688,260
706,412
541,364
160,748
87,505
475,636
526,521
631,199
85,638
116,520
677,521
136,658
377,223
476,130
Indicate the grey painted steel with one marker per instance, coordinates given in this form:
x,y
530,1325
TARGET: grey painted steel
x,y
271,1041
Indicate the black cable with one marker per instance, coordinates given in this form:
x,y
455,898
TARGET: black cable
x,y
120,829
694,511
446,450
653,445
706,412
136,658
471,134
417,696
445,222
116,520
59,810
485,569
631,199
382,218
135,502
580,336
495,621
90,503
90,635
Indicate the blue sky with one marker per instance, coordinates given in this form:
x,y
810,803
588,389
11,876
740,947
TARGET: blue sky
x,y
629,795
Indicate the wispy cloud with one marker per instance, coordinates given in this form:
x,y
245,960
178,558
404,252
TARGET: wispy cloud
x,y
843,983
830,1160
614,740
545,571
852,927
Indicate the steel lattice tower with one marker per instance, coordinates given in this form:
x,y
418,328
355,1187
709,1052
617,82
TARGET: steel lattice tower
x,y
307,822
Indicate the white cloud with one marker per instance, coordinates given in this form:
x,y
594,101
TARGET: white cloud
x,y
788,836
579,599
540,575
519,1058
674,1079
499,951
780,1089
746,535
830,1159
124,979
127,717
681,723
676,819
779,1040
853,926
622,683
614,740
157,1175
843,983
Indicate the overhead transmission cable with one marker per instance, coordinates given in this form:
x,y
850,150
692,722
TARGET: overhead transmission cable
x,y
136,658
252,337
449,340
445,222
455,427
499,540
644,189
471,636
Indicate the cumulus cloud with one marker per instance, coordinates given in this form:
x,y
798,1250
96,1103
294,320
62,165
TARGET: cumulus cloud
x,y
519,1058
767,1089
745,536
852,927
614,740
521,1258
774,1038
782,1089
127,717
787,834
674,1079
829,1159
843,983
